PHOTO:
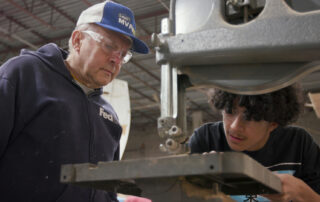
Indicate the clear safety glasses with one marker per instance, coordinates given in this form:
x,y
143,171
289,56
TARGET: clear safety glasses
x,y
108,47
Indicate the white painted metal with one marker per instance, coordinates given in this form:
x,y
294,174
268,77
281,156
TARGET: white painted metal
x,y
117,94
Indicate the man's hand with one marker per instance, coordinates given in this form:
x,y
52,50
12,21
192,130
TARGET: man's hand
x,y
136,199
293,189
211,152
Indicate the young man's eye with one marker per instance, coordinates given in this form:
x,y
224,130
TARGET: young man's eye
x,y
227,112
230,111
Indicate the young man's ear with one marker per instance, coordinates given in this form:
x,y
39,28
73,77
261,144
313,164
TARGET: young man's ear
x,y
76,40
272,126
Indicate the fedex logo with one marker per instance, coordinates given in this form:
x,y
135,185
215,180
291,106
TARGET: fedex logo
x,y
105,115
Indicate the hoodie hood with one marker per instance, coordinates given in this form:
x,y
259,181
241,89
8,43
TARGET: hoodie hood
x,y
52,56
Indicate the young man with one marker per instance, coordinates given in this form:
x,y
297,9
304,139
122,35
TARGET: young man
x,y
257,126
52,112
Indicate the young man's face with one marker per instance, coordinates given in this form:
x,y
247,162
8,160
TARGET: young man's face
x,y
244,135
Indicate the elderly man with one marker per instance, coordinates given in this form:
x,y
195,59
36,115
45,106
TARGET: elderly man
x,y
51,110
257,126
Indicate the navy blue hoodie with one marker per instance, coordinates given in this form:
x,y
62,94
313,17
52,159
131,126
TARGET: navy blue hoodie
x,y
46,120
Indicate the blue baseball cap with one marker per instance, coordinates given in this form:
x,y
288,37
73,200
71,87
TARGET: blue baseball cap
x,y
115,17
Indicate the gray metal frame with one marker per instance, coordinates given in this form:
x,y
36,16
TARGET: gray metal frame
x,y
279,36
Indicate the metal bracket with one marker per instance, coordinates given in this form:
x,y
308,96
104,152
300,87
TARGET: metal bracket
x,y
169,125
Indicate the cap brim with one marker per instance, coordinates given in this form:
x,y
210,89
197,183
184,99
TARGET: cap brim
x,y
137,46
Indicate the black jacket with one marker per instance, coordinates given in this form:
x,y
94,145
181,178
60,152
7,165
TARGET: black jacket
x,y
46,120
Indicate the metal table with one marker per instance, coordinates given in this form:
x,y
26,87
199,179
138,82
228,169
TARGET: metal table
x,y
232,173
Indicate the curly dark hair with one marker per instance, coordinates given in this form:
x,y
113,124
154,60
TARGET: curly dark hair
x,y
282,106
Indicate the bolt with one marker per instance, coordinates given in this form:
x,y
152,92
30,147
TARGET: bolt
x,y
174,129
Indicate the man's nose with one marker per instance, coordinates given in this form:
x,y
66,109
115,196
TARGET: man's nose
x,y
116,57
238,123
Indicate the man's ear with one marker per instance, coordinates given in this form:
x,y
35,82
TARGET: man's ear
x,y
76,39
272,126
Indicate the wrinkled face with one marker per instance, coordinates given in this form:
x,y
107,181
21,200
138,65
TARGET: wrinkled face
x,y
99,61
244,135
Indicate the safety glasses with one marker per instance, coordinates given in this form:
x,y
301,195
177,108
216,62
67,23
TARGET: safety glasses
x,y
108,47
